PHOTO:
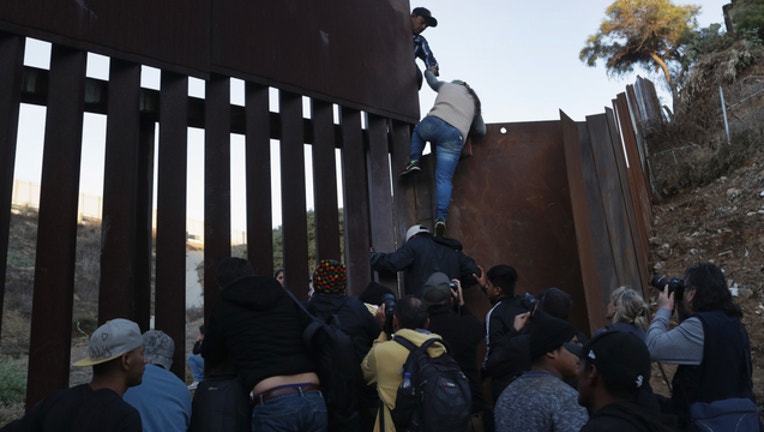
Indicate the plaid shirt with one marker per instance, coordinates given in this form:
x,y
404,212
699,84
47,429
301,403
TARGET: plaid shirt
x,y
422,51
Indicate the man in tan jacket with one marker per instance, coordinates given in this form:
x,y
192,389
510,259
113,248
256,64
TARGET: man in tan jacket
x,y
382,366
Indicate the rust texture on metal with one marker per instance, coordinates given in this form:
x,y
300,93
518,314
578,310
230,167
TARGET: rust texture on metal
x,y
523,208
217,184
638,241
594,251
637,179
171,213
381,208
352,52
258,178
50,339
295,230
11,73
325,182
172,34
616,222
356,201
119,236
143,223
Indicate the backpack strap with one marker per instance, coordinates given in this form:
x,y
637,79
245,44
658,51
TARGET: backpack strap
x,y
426,344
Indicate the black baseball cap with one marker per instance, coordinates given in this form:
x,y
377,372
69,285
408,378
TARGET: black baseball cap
x,y
427,15
621,357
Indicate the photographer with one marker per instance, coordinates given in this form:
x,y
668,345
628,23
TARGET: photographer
x,y
711,346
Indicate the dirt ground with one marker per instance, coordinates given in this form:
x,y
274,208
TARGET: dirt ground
x,y
723,223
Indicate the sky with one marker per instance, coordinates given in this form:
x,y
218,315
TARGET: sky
x,y
520,57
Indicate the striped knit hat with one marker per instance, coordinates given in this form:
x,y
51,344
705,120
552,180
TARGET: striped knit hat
x,y
329,277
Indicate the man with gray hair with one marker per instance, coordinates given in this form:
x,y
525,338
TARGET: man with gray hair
x,y
116,355
162,399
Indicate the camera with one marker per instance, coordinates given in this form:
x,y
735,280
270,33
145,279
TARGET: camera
x,y
528,302
675,284
453,286
389,301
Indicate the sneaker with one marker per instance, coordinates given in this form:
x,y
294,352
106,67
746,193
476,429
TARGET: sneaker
x,y
440,227
193,385
413,166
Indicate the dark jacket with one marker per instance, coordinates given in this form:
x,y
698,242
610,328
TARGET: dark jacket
x,y
424,255
725,371
462,331
623,416
354,318
257,325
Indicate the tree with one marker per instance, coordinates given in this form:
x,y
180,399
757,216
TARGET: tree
x,y
748,16
646,33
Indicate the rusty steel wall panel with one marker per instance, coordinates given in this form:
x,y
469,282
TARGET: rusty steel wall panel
x,y
400,136
356,202
118,282
171,214
521,213
171,34
639,267
380,199
295,229
640,192
616,220
217,184
258,178
357,53
594,251
325,182
11,74
50,340
144,216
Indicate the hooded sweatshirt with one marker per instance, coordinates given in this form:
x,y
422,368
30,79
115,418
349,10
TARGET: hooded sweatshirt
x,y
256,325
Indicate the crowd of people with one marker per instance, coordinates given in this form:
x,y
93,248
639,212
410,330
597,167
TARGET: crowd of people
x,y
539,372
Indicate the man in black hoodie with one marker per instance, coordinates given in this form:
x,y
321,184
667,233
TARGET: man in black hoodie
x,y
422,255
614,367
330,298
257,326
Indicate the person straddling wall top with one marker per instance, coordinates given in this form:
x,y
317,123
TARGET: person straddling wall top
x,y
421,18
454,116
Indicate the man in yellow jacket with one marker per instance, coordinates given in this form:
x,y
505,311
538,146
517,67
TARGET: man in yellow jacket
x,y
383,365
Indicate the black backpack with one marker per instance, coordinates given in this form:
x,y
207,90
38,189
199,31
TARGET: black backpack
x,y
439,398
334,357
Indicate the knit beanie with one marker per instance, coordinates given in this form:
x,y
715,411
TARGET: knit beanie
x,y
329,277
548,333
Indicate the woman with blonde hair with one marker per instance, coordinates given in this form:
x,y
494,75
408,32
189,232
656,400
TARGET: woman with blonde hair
x,y
627,311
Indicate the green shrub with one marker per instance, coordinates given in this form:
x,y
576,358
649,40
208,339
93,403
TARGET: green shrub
x,y
13,381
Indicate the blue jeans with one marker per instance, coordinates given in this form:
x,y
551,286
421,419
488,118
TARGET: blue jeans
x,y
447,143
196,364
304,412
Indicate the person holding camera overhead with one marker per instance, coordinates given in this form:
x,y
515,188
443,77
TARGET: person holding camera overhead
x,y
711,345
